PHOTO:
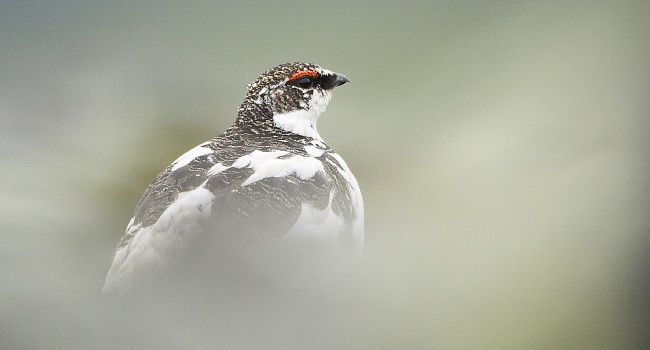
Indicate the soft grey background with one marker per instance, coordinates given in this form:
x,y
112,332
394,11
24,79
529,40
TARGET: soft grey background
x,y
502,149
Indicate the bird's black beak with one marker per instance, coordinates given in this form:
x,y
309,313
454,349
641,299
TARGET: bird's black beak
x,y
331,81
341,79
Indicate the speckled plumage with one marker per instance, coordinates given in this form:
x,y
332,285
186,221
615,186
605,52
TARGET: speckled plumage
x,y
253,180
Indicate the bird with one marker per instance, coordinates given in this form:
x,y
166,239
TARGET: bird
x,y
265,201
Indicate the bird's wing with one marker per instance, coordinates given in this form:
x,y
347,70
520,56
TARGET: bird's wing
x,y
261,193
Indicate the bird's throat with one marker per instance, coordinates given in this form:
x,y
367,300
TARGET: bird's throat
x,y
303,121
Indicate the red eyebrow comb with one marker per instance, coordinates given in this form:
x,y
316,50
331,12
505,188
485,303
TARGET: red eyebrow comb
x,y
304,73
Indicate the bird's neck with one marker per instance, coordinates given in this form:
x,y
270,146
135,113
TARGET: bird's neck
x,y
301,122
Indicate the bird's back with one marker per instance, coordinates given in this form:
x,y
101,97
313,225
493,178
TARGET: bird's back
x,y
243,203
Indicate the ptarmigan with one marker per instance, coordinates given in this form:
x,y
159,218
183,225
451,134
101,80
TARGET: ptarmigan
x,y
266,200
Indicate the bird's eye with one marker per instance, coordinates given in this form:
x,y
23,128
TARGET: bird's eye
x,y
305,82
304,79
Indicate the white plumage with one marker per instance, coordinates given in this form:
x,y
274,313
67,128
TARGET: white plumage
x,y
268,187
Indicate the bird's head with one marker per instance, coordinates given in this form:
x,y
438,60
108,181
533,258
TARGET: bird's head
x,y
295,94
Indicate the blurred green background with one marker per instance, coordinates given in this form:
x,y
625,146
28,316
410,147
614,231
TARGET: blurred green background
x,y
501,147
